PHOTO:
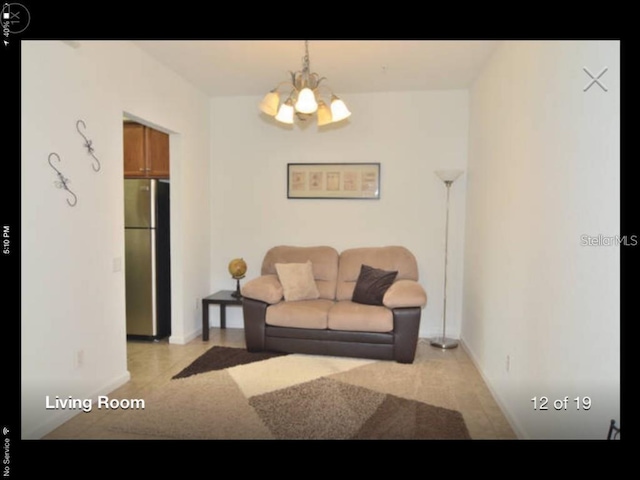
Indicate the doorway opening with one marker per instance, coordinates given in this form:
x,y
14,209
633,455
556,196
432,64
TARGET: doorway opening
x,y
147,228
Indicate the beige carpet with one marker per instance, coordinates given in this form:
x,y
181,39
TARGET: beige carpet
x,y
292,397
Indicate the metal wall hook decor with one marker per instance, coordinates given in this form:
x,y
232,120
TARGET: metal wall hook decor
x,y
88,143
62,182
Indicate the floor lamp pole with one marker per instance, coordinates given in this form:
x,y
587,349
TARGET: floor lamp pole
x,y
444,342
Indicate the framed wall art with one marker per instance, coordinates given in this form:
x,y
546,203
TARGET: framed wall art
x,y
333,180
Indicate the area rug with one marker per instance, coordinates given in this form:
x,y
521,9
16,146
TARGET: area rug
x,y
329,409
290,397
219,358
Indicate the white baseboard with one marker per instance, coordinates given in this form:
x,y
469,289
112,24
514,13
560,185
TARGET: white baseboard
x,y
184,339
496,397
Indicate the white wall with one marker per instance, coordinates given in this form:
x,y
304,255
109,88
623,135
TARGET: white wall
x,y
543,171
409,134
72,296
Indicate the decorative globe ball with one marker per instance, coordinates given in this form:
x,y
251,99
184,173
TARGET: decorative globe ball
x,y
237,268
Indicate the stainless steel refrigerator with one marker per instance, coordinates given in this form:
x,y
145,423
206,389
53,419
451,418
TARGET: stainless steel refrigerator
x,y
147,258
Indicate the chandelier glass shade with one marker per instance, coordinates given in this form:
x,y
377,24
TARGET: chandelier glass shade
x,y
303,97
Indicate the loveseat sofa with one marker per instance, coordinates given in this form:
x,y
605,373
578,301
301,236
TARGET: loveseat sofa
x,y
363,302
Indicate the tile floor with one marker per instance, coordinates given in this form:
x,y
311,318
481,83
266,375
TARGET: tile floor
x,y
153,364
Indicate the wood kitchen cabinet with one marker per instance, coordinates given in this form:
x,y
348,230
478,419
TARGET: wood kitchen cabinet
x,y
146,152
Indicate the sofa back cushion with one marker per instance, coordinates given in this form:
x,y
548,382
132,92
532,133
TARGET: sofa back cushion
x,y
390,258
324,262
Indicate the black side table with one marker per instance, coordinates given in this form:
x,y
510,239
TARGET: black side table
x,y
222,298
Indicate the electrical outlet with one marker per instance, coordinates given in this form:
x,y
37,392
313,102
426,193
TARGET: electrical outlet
x,y
508,363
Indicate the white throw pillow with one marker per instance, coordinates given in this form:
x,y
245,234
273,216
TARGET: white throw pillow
x,y
297,281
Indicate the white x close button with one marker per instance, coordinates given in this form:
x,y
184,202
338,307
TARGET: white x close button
x,y
595,79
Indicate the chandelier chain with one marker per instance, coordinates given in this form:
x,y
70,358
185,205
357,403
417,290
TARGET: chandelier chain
x,y
305,62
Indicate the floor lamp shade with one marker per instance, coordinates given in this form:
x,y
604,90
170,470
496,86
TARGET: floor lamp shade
x,y
448,177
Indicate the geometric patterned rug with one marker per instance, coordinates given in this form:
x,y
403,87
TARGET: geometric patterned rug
x,y
219,358
329,409
287,396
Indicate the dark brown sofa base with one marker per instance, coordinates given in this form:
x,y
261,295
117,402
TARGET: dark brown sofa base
x,y
399,345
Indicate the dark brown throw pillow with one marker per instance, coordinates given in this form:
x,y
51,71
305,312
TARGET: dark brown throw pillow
x,y
372,284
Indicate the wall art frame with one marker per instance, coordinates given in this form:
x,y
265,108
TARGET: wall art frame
x,y
352,181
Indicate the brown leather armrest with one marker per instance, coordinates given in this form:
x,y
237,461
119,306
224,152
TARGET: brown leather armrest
x,y
406,325
254,313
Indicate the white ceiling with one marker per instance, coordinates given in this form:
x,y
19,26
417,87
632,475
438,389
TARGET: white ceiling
x,y
253,67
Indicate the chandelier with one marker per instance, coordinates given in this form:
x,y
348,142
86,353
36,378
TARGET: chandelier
x,y
304,98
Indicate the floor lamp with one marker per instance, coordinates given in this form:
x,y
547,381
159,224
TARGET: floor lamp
x,y
448,177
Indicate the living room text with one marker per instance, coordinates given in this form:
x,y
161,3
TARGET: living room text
x,y
86,404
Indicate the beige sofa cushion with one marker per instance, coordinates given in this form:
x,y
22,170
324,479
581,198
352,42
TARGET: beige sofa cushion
x,y
266,288
324,261
348,315
303,314
405,293
391,258
297,281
